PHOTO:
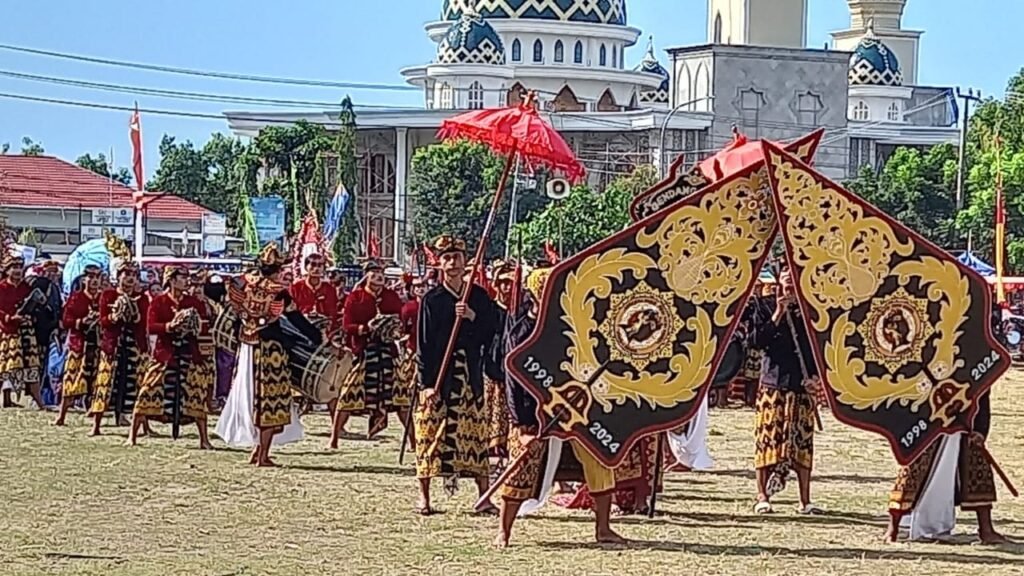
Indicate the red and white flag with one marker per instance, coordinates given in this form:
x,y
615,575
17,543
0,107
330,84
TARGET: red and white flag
x,y
135,129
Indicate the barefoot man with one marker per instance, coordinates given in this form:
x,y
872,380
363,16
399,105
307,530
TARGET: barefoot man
x,y
81,320
451,423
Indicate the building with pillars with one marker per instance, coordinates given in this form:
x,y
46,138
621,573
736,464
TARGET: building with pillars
x,y
489,53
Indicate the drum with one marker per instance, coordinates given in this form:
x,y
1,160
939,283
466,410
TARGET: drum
x,y
317,369
225,330
386,328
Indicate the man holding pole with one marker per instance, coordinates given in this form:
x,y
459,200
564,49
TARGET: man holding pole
x,y
450,418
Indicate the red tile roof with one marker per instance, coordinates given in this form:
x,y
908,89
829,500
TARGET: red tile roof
x,y
48,182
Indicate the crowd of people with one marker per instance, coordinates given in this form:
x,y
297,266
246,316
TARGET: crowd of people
x,y
142,354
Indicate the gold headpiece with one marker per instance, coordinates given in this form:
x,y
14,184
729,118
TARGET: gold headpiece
x,y
127,266
371,265
504,271
447,243
170,272
116,246
12,260
536,280
271,256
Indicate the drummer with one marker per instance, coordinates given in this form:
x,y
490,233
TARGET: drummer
x,y
318,301
370,387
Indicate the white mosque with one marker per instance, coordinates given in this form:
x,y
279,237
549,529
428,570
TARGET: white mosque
x,y
572,54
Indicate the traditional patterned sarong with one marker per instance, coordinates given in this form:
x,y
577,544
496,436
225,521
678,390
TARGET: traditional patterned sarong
x,y
19,358
117,381
975,480
574,465
405,379
634,478
272,405
207,368
82,369
743,388
451,434
784,429
497,417
372,389
158,393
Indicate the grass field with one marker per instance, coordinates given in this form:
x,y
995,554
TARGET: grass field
x,y
80,505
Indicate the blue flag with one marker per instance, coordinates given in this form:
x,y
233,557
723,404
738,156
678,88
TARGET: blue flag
x,y
335,212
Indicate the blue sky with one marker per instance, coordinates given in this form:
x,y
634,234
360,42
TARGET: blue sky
x,y
343,40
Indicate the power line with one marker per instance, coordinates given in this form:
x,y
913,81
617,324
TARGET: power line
x,y
211,74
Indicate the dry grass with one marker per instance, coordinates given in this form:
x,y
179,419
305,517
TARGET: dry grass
x,y
79,505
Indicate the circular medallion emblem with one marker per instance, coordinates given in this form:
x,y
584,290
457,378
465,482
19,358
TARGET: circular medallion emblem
x,y
641,326
895,330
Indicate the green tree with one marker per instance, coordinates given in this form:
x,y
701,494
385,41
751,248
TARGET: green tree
x,y
585,217
204,176
101,166
292,163
453,186
346,246
30,147
5,148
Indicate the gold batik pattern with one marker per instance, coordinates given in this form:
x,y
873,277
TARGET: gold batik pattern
x,y
207,368
575,465
113,377
19,358
272,375
637,468
784,429
80,371
451,432
975,481
372,386
405,380
497,416
157,392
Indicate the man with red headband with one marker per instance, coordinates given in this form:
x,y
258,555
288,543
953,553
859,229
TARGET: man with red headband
x,y
173,382
124,345
19,350
370,320
81,320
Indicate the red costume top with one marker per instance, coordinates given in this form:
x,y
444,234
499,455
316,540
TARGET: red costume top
x,y
161,311
360,308
111,329
11,297
410,319
322,301
78,307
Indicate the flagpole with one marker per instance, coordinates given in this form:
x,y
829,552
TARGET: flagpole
x,y
1000,246
140,207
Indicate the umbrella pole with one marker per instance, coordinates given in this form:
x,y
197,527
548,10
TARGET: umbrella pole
x,y
481,249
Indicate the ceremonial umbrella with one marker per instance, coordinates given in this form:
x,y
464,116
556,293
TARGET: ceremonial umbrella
x,y
734,157
515,132
91,253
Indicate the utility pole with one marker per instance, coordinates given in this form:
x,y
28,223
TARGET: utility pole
x,y
969,97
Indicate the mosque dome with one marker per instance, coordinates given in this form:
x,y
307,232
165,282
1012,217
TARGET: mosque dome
x,y
589,11
471,40
651,65
873,63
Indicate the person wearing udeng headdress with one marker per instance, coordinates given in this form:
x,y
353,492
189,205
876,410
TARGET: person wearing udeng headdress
x,y
259,410
451,423
19,350
208,311
173,382
526,484
494,364
81,320
124,345
370,388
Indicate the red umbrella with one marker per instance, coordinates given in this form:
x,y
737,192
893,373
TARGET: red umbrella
x,y
515,131
734,157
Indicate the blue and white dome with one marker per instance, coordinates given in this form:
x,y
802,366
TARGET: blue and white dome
x,y
591,11
873,63
651,65
471,40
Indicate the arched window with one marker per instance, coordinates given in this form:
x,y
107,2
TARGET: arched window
x,y
615,57
559,52
602,58
718,28
444,101
577,55
622,57
517,51
475,99
538,50
894,112
860,111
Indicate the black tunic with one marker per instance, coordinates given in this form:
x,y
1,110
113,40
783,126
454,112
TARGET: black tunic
x,y
437,318
494,362
522,406
781,355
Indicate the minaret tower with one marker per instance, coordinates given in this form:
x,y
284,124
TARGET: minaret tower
x,y
781,23
887,16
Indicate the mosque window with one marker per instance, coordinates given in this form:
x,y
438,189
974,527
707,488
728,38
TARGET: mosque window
x,y
428,90
577,55
602,58
517,51
860,111
809,109
538,51
718,28
475,100
751,102
894,112
615,57
444,100
622,57
559,52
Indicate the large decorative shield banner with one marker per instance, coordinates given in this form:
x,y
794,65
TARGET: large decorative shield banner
x,y
900,330
631,331
737,156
